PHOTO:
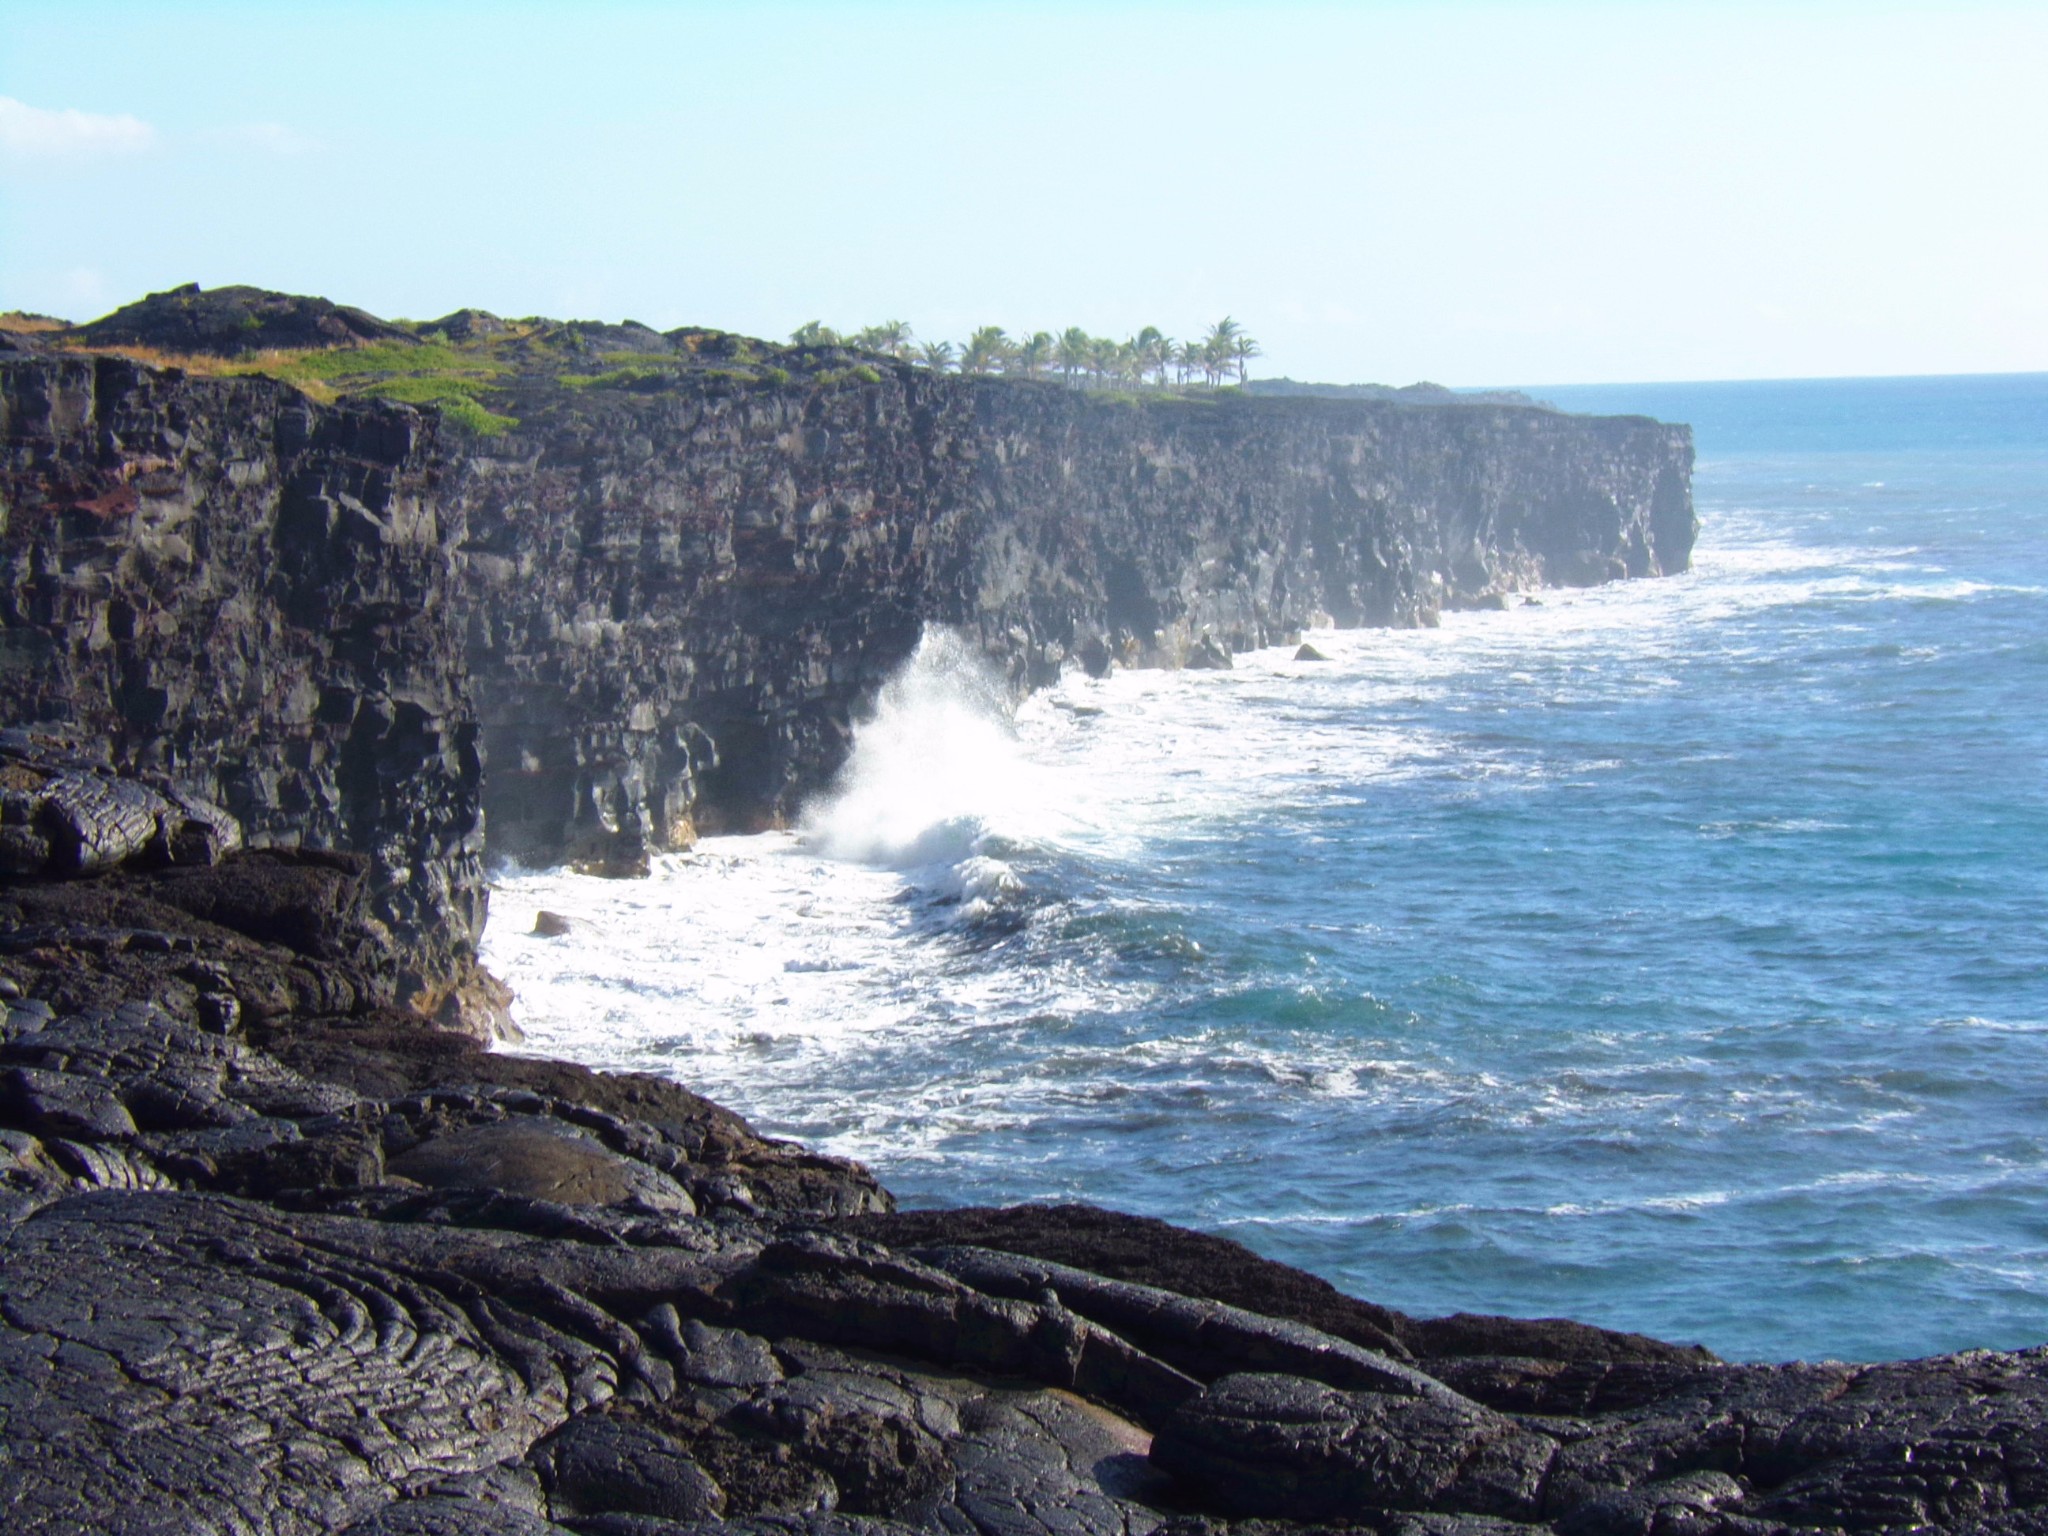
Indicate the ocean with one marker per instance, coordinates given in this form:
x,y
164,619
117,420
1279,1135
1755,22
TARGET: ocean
x,y
1671,955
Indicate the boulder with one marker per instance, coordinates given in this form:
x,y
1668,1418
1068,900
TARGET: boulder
x,y
1280,1446
595,1465
539,1158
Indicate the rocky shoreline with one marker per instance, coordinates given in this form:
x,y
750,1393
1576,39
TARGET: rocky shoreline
x,y
277,1256
284,1248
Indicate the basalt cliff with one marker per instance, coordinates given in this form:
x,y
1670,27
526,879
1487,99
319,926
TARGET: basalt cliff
x,y
280,1255
650,587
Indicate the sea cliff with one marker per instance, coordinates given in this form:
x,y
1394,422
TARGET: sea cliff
x,y
677,603
657,608
279,1255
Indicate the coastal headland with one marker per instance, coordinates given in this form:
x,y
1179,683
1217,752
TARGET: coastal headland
x,y
307,613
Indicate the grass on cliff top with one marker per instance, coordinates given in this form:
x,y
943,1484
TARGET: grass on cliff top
x,y
21,323
455,398
432,373
460,377
624,377
417,360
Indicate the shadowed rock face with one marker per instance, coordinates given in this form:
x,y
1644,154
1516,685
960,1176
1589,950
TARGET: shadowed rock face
x,y
678,602
645,612
241,597
275,1257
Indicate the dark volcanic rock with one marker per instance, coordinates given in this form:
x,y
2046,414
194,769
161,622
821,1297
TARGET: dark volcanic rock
x,y
278,1256
301,1264
454,1517
240,597
1278,1445
1196,1264
541,1160
599,1466
230,322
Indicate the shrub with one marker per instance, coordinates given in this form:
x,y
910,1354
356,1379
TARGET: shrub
x,y
455,398
467,416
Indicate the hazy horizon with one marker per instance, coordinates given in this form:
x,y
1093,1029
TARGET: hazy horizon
x,y
1567,191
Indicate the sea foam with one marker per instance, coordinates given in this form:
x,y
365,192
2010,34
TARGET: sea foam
x,y
1699,917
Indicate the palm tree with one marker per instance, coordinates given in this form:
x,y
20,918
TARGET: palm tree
x,y
936,355
1035,355
986,350
891,337
1131,363
1218,350
1073,351
1101,357
1154,352
1220,347
814,333
1242,350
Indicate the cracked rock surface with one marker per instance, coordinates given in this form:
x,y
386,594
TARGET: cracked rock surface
x,y
276,1257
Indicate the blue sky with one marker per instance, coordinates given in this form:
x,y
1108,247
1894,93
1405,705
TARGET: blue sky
x,y
1543,192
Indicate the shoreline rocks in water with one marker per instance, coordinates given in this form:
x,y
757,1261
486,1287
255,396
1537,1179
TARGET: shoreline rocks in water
x,y
276,1256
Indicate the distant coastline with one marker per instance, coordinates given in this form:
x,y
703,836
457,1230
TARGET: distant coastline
x,y
1405,394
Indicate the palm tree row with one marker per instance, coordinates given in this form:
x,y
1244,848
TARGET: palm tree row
x,y
1150,359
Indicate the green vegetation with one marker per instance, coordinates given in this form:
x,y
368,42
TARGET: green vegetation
x,y
435,373
1150,360
861,373
477,420
421,359
614,378
456,399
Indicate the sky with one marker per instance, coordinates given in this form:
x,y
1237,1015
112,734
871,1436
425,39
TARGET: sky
x,y
1552,191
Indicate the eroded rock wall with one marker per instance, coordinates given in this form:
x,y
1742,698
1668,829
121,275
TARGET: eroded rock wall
x,y
654,611
221,586
678,602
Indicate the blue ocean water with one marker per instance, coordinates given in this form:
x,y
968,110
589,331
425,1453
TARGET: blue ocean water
x,y
1672,956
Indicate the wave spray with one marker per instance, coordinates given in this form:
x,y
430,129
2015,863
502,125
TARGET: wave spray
x,y
938,787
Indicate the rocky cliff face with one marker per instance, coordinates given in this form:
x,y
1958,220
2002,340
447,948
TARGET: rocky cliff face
x,y
677,602
245,597
660,606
